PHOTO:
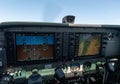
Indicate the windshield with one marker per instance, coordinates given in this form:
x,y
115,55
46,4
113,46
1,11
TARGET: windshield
x,y
85,11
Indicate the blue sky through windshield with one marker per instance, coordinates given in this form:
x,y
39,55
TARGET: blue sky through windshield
x,y
86,11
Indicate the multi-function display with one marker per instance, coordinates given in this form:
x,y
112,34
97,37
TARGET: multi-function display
x,y
88,44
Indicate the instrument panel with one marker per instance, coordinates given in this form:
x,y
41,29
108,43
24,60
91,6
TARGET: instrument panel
x,y
39,47
76,50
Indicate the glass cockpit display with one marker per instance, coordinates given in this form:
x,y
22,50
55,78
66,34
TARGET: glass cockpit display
x,y
31,47
89,44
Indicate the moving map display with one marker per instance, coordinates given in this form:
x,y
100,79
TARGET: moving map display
x,y
89,44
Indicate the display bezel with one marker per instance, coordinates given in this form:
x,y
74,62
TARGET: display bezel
x,y
13,56
76,56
